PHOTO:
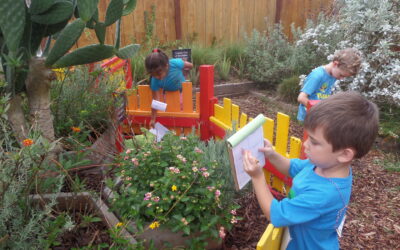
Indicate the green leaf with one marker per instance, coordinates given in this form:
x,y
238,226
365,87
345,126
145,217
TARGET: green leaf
x,y
54,28
114,11
60,11
128,51
12,22
129,7
87,8
40,6
186,230
85,55
66,40
100,29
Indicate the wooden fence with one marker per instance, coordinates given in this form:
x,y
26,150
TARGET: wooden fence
x,y
208,20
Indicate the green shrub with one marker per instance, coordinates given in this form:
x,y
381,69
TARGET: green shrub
x,y
179,184
205,55
138,69
289,89
234,52
223,68
267,56
23,226
79,99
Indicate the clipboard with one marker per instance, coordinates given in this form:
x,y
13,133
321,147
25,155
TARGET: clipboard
x,y
250,137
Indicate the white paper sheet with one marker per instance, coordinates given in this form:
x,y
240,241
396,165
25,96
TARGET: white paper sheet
x,y
252,143
161,106
159,131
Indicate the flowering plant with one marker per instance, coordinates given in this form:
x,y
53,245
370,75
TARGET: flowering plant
x,y
176,184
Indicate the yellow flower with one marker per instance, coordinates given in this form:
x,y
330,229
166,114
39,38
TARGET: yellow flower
x,y
154,225
27,142
174,188
76,129
119,224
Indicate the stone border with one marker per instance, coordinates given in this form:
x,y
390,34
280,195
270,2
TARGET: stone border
x,y
232,89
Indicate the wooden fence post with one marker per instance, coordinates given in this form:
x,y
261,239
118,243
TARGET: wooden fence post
x,y
207,100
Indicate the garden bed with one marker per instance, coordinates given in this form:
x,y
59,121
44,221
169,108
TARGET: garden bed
x,y
78,206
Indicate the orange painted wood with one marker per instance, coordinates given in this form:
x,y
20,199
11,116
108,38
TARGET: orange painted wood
x,y
132,101
197,102
145,97
172,98
187,97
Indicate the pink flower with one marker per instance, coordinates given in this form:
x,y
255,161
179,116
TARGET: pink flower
x,y
197,150
147,196
234,220
210,188
194,169
206,174
217,193
156,199
184,138
177,171
126,157
128,151
233,212
203,169
222,233
135,161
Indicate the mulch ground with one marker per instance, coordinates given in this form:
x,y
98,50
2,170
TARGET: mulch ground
x,y
373,217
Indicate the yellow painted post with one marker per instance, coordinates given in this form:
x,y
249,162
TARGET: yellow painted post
x,y
235,115
227,112
243,120
268,129
295,147
271,239
282,132
218,112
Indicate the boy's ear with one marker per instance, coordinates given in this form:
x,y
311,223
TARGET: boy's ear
x,y
346,155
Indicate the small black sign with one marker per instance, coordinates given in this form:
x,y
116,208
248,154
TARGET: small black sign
x,y
185,54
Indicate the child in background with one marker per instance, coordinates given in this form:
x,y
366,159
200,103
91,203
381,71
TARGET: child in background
x,y
341,128
166,74
318,84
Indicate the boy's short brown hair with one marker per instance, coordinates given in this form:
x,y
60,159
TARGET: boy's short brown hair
x,y
349,60
348,120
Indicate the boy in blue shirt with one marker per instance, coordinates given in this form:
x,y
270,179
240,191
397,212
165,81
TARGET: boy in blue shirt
x,y
165,73
341,128
319,83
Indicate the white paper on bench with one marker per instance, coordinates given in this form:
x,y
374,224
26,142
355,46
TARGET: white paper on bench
x,y
159,130
162,106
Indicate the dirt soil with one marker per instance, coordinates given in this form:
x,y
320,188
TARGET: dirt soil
x,y
373,216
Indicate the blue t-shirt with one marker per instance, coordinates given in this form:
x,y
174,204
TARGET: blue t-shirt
x,y
173,80
317,85
315,209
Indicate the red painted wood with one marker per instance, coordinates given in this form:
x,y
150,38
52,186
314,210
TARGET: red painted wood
x,y
206,94
310,104
270,168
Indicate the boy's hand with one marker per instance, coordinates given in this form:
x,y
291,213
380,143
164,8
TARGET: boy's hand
x,y
268,149
250,165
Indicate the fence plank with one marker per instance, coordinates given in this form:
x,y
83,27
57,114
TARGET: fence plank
x,y
223,20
